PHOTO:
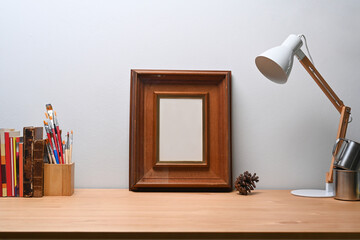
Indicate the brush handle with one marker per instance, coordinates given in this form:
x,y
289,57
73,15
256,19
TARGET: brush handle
x,y
55,150
56,157
49,154
70,154
49,137
57,146
64,153
60,144
52,148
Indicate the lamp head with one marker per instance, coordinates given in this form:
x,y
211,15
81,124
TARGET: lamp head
x,y
276,63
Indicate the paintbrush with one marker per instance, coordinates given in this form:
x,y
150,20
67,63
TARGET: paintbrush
x,y
57,131
51,140
48,143
57,143
71,146
67,147
49,113
64,151
50,152
54,138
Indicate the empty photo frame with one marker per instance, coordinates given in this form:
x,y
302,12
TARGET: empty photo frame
x,y
180,135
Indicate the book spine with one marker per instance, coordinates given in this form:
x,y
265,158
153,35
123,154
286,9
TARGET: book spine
x,y
8,165
2,163
12,161
3,173
16,167
29,135
1,190
38,170
21,170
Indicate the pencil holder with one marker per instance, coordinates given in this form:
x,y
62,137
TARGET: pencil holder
x,y
59,179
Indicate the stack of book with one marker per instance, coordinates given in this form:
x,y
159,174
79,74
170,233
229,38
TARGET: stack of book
x,y
22,162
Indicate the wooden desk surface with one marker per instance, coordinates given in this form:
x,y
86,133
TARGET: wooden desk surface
x,y
119,213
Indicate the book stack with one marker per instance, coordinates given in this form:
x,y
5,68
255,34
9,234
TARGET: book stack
x,y
21,172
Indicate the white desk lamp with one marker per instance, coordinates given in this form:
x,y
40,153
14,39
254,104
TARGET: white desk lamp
x,y
276,64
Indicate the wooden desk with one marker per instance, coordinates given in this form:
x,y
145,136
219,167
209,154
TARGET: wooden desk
x,y
118,213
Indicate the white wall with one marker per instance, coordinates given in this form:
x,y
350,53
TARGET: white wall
x,y
77,55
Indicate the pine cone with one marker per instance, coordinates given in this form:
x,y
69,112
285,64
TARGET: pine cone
x,y
246,182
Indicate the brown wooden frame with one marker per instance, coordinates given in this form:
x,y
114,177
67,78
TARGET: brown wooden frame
x,y
212,174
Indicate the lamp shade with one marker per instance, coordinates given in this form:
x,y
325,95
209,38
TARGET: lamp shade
x,y
276,63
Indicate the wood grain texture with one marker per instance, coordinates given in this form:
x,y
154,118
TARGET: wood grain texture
x,y
345,111
59,179
320,81
117,213
343,124
145,173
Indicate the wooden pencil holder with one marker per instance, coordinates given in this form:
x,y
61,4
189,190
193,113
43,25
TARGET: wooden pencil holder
x,y
59,179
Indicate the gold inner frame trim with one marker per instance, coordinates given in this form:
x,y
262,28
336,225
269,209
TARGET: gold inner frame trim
x,y
182,95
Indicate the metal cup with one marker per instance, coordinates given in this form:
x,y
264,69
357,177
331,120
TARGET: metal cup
x,y
348,156
347,184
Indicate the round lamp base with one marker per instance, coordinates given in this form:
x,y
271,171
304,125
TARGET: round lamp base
x,y
312,193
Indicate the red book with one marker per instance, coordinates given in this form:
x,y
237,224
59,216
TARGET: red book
x,y
16,167
12,159
0,176
21,170
8,165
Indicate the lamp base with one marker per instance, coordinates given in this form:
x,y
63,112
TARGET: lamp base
x,y
328,192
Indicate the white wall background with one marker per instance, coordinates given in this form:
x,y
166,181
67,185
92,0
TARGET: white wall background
x,y
77,55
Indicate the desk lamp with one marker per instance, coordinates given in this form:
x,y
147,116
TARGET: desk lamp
x,y
276,64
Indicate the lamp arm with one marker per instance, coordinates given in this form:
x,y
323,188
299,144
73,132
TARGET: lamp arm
x,y
320,81
336,101
344,120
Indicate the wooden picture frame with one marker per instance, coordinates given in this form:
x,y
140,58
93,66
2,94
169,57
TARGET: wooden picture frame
x,y
212,172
